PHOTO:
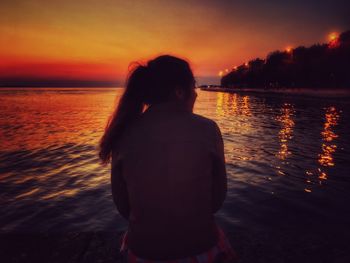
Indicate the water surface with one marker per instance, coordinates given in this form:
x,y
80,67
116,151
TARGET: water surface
x,y
287,162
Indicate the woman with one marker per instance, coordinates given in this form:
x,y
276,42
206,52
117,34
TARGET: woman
x,y
168,167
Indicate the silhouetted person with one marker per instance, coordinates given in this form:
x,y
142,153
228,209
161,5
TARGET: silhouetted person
x,y
168,167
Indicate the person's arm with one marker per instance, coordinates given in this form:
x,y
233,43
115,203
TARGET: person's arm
x,y
219,171
119,190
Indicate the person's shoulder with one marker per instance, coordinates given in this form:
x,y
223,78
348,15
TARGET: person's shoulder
x,y
207,129
203,121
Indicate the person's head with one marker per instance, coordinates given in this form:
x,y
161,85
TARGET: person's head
x,y
163,79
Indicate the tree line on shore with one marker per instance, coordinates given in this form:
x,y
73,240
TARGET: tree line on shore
x,y
320,66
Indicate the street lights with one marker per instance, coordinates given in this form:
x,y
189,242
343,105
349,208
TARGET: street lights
x,y
289,50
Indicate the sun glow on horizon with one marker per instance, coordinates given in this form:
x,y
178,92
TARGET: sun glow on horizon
x,y
289,49
333,36
90,39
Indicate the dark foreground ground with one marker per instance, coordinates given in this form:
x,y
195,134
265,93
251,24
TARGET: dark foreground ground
x,y
279,246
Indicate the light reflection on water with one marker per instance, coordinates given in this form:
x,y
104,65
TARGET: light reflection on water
x,y
275,147
328,146
328,137
286,132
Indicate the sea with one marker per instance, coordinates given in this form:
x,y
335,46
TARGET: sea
x,y
287,160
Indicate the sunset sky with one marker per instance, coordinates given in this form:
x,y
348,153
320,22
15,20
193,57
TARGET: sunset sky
x,y
97,39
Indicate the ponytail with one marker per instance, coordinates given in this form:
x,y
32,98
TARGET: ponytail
x,y
130,106
153,83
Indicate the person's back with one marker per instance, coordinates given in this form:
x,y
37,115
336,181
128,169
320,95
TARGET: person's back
x,y
168,167
167,161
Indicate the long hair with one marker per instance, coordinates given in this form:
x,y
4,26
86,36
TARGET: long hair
x,y
147,84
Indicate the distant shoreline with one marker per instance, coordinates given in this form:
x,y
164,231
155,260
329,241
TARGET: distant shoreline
x,y
295,91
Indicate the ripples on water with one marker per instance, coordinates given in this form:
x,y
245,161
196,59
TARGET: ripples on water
x,y
287,159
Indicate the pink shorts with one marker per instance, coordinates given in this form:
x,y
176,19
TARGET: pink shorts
x,y
222,252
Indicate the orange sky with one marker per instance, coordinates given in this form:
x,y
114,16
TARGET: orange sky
x,y
92,39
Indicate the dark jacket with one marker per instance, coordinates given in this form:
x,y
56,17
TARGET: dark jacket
x,y
168,179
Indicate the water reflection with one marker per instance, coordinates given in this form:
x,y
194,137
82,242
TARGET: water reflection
x,y
47,116
236,120
328,147
220,103
246,106
232,104
52,178
286,133
328,136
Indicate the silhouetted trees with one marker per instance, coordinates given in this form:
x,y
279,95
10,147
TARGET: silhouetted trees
x,y
319,66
